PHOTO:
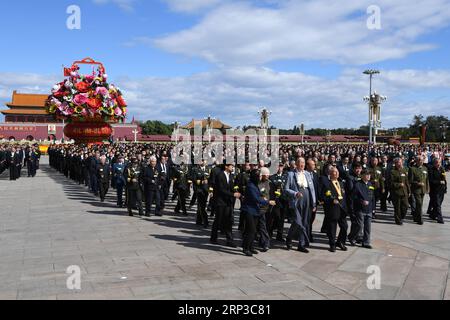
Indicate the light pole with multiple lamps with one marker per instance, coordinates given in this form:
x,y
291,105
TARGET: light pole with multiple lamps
x,y
444,127
375,100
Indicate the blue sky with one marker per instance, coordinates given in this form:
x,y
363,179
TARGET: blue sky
x,y
181,59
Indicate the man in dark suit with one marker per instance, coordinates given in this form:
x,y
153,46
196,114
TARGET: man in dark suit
x,y
224,200
335,205
165,168
344,168
152,186
103,177
13,161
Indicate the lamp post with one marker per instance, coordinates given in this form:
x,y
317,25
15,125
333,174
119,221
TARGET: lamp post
x,y
135,132
302,133
444,127
370,73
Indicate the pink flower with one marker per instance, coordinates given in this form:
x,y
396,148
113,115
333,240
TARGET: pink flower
x,y
80,99
118,112
102,91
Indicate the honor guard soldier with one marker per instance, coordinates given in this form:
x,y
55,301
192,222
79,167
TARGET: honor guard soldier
x,y
377,182
400,190
200,179
152,187
103,175
118,171
438,189
134,188
418,179
182,186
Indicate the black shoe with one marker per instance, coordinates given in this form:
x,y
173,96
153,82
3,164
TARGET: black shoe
x,y
248,253
147,215
332,249
130,214
288,245
352,243
420,223
302,249
231,244
367,246
440,221
342,246
399,223
254,251
213,241
265,249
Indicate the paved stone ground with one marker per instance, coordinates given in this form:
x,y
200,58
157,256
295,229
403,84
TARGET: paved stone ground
x,y
48,224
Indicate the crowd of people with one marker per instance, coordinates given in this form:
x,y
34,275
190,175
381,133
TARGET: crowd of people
x,y
347,181
16,157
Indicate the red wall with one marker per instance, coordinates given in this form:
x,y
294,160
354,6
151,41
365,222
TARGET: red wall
x,y
21,131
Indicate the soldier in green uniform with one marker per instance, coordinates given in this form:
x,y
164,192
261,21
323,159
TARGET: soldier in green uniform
x,y
183,186
418,180
376,179
400,190
200,176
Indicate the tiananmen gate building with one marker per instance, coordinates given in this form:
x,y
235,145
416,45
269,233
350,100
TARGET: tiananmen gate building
x,y
27,119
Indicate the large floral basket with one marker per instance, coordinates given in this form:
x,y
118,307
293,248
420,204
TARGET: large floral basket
x,y
88,103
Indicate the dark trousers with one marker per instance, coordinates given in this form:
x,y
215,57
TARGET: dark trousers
x,y
333,221
222,221
94,183
248,237
275,221
436,199
383,201
150,196
417,210
400,207
362,223
134,199
194,199
104,187
119,191
181,204
300,223
12,172
31,168
264,238
202,215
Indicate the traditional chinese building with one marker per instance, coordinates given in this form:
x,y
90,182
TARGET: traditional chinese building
x,y
27,119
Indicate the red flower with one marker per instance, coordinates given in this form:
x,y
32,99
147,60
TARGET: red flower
x,y
82,87
94,103
121,101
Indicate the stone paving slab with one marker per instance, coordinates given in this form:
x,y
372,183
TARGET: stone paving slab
x,y
50,223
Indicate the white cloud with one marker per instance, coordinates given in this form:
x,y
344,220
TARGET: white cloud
x,y
192,6
126,5
236,94
242,33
